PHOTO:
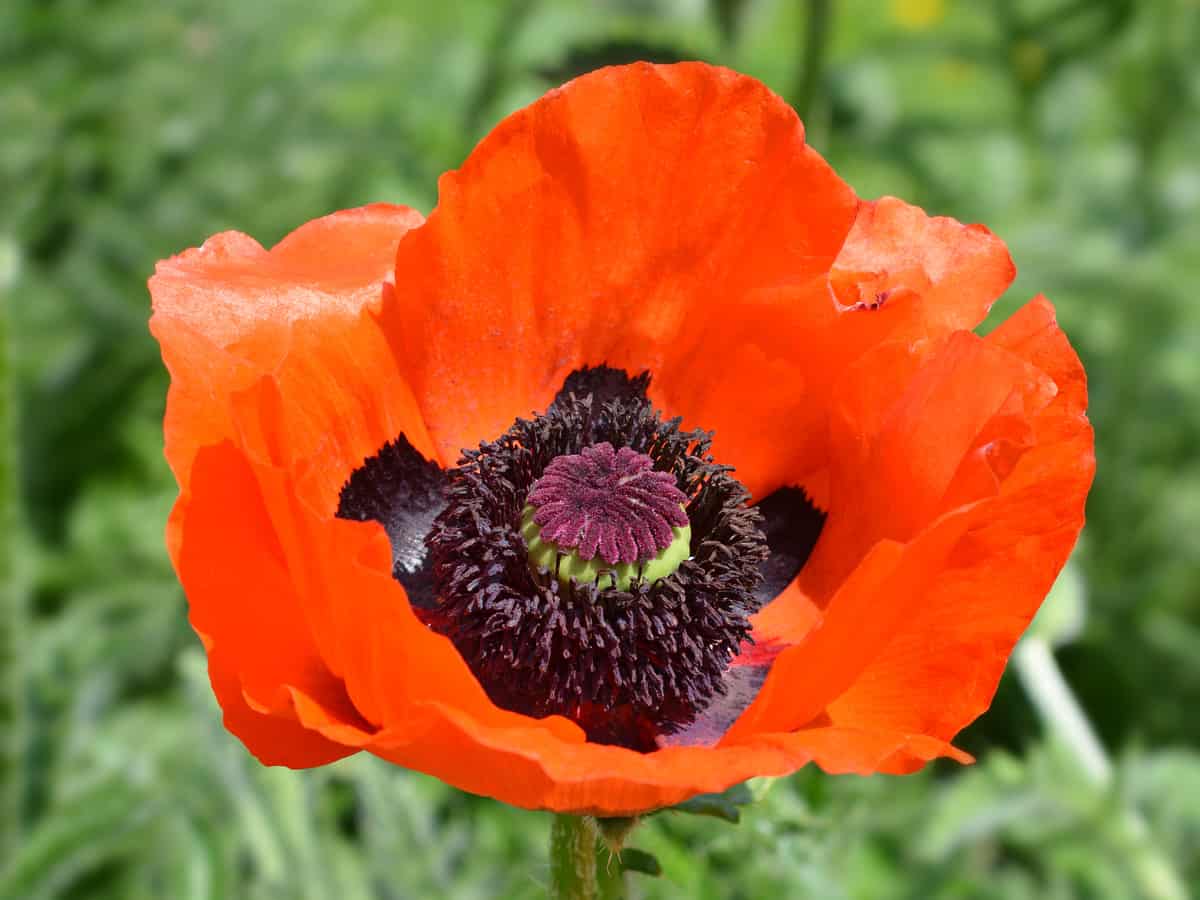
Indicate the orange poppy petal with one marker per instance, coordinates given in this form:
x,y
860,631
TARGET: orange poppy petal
x,y
902,276
784,621
540,773
230,312
651,217
904,420
919,270
593,779
940,670
841,750
273,350
335,609
241,604
340,575
858,623
915,638
1033,334
273,739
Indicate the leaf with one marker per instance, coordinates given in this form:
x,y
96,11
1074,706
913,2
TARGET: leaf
x,y
75,838
720,806
634,860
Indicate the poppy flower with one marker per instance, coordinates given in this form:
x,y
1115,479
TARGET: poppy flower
x,y
653,460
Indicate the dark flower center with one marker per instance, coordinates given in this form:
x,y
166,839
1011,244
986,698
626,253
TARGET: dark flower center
x,y
627,663
593,562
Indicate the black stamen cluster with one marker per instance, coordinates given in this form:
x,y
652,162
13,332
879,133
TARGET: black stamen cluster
x,y
627,666
404,492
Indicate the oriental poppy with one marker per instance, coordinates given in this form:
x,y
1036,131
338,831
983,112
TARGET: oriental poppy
x,y
653,460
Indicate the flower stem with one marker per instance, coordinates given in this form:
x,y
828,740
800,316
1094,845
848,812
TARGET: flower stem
x,y
573,858
610,878
1060,710
1065,718
812,64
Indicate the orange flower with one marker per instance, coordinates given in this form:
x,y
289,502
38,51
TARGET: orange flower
x,y
357,586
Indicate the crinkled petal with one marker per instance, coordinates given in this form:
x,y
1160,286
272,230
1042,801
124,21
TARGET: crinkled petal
x,y
940,670
274,739
612,781
230,316
240,601
916,634
647,217
304,602
857,624
230,312
903,277
908,265
904,420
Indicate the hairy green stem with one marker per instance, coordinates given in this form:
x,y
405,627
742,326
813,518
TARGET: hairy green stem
x,y
573,858
610,877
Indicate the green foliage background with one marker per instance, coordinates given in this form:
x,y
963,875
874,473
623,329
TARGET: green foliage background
x,y
130,130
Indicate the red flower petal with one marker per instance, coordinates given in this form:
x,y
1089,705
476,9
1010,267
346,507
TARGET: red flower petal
x,y
860,620
274,740
287,328
229,312
943,274
650,217
539,773
916,636
257,641
900,429
941,669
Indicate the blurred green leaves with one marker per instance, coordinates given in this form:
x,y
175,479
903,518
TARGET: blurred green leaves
x,y
12,601
129,132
